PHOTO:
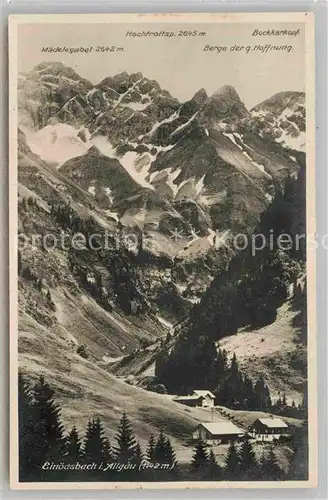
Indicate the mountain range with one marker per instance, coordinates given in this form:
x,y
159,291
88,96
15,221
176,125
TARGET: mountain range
x,y
125,157
158,165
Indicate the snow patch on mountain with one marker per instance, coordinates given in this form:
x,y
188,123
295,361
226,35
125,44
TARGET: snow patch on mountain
x,y
283,117
58,142
185,124
211,236
128,160
168,175
109,193
297,142
92,190
243,147
112,215
164,322
122,96
137,106
232,139
171,176
159,123
258,165
136,164
199,185
208,199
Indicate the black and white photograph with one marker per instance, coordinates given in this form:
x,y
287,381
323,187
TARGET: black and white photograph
x,y
162,251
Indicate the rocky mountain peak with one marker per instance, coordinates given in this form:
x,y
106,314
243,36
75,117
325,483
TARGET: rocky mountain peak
x,y
47,70
120,82
200,96
282,117
278,102
225,104
226,92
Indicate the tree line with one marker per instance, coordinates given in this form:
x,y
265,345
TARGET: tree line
x,y
185,366
49,453
44,441
254,285
247,294
202,365
240,463
111,276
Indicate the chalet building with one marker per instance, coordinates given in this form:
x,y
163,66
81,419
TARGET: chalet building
x,y
218,432
197,398
268,429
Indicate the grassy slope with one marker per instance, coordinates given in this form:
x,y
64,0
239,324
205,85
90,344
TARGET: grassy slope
x,y
84,389
274,352
78,319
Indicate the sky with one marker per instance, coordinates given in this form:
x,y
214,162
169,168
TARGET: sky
x,y
179,64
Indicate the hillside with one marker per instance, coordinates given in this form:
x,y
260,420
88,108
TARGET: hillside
x,y
274,351
155,295
84,389
137,157
282,116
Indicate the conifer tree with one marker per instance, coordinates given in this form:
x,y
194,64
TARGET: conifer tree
x,y
232,463
234,365
200,459
138,455
150,449
107,453
214,470
299,465
170,454
160,450
247,461
96,446
88,444
50,443
278,404
270,470
263,400
19,263
126,442
74,446
26,425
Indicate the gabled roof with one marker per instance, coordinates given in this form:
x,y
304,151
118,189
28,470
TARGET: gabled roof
x,y
187,398
273,422
204,393
222,427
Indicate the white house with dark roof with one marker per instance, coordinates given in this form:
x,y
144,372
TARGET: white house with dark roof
x,y
218,432
208,397
202,398
268,429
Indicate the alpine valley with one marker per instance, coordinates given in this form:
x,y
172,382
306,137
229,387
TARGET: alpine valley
x,y
169,301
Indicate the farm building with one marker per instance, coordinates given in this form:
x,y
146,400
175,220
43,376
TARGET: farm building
x,y
218,432
197,398
268,429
